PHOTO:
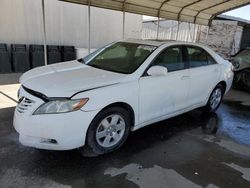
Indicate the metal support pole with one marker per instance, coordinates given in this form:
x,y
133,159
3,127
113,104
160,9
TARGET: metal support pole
x,y
189,31
123,25
158,26
44,35
186,35
89,24
177,31
194,33
171,34
207,33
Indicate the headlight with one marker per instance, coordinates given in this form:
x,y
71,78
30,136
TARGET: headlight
x,y
61,106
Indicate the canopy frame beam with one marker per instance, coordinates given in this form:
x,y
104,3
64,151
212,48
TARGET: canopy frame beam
x,y
158,27
89,29
123,19
44,34
212,6
188,5
162,4
158,15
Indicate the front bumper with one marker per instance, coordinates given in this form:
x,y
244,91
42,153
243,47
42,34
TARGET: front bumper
x,y
51,131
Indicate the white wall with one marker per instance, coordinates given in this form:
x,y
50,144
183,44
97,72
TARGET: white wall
x,y
66,23
168,30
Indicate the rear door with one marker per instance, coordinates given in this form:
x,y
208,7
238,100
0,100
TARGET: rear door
x,y
204,74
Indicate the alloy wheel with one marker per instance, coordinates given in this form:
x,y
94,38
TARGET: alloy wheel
x,y
215,98
110,131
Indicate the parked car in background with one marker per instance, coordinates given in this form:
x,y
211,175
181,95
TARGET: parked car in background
x,y
96,101
241,62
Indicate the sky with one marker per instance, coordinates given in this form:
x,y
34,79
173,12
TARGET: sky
x,y
243,12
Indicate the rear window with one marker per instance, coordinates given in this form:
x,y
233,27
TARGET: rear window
x,y
198,57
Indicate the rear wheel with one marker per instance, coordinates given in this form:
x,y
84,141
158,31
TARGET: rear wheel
x,y
107,132
215,99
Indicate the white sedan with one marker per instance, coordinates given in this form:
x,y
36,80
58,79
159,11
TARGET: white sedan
x,y
96,101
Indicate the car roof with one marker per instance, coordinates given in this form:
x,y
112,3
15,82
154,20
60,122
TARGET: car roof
x,y
146,42
161,42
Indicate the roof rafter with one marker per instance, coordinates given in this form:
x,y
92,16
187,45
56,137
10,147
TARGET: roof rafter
x,y
212,6
188,5
159,10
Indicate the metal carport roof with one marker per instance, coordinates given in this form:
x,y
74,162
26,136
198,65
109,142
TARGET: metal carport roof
x,y
193,11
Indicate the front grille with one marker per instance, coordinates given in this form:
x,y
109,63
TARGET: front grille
x,y
24,105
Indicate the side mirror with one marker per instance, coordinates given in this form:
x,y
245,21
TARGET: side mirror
x,y
157,71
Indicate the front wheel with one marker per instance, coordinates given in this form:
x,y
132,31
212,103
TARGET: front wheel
x,y
107,132
215,99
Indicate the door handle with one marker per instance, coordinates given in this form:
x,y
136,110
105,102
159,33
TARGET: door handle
x,y
185,77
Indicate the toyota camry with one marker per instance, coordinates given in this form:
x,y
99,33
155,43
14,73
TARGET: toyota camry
x,y
94,103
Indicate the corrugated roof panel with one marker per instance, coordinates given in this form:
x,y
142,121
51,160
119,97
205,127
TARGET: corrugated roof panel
x,y
194,11
204,16
187,18
109,4
146,3
202,21
179,3
171,8
141,10
189,12
171,16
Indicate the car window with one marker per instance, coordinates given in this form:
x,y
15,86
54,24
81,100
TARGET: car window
x,y
171,58
121,57
197,57
114,53
210,60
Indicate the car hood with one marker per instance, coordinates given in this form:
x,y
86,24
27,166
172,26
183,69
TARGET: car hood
x,y
66,79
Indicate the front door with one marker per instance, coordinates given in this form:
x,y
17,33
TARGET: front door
x,y
163,95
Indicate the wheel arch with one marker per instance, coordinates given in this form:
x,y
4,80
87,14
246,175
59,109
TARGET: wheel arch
x,y
88,150
123,105
223,84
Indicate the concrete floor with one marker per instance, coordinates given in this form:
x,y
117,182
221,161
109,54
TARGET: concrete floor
x,y
189,151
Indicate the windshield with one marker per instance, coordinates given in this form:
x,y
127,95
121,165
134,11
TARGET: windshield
x,y
121,57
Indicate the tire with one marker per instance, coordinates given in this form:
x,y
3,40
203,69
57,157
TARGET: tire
x,y
237,80
211,123
214,100
103,136
245,80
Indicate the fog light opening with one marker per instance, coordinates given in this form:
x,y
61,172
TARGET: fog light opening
x,y
49,141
